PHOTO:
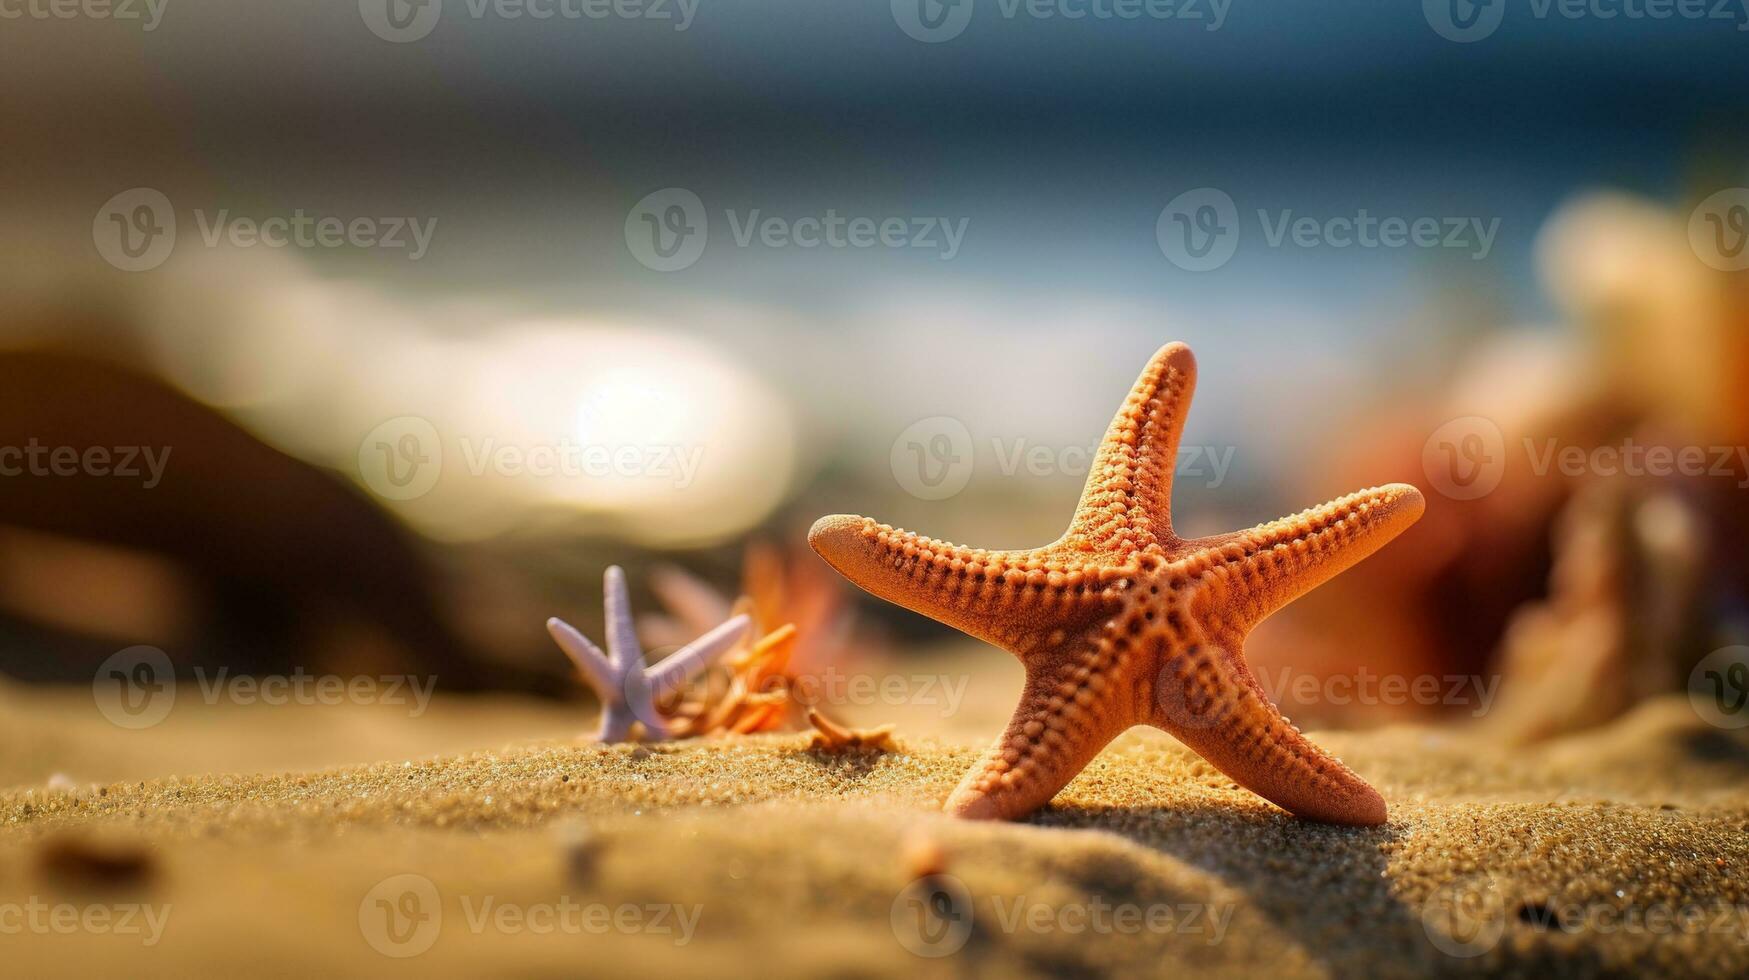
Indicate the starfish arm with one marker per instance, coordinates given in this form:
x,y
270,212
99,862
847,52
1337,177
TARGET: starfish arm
x,y
1208,699
1126,505
1056,730
1273,564
622,635
1000,597
590,661
683,664
617,718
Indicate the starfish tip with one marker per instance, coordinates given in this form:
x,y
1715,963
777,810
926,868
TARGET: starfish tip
x,y
833,536
737,625
1406,500
1364,808
1176,354
971,805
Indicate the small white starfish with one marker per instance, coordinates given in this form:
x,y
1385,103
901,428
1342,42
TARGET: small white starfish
x,y
628,690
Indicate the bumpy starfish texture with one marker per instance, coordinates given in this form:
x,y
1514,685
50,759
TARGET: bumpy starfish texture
x,y
627,688
1120,622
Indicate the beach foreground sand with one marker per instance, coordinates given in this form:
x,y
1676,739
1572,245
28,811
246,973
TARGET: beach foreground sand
x,y
1620,850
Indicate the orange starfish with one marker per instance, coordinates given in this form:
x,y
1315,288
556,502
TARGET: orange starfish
x,y
829,736
1120,622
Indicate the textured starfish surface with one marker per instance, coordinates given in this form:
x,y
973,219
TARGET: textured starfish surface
x,y
1120,622
627,688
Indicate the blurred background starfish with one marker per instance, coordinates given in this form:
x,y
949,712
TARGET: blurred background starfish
x,y
629,689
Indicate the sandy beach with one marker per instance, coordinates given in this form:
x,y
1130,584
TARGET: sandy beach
x,y
1617,851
